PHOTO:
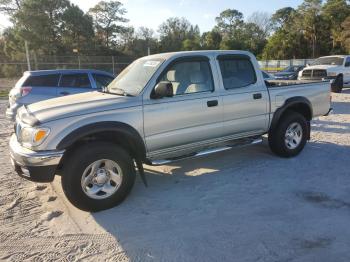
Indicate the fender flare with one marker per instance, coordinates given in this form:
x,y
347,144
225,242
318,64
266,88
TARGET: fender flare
x,y
127,131
290,102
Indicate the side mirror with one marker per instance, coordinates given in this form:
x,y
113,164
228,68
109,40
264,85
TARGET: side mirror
x,y
163,89
347,64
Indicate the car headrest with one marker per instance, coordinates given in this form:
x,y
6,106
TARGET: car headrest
x,y
198,77
172,75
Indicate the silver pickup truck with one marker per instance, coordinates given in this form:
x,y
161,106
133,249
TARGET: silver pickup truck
x,y
162,108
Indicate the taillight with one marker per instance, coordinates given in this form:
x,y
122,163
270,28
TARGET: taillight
x,y
25,90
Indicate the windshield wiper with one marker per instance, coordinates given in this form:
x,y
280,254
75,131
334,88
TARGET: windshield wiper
x,y
119,91
116,91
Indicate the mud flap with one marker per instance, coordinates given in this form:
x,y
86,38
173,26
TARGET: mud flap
x,y
141,171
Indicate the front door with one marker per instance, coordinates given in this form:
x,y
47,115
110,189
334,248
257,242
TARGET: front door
x,y
192,116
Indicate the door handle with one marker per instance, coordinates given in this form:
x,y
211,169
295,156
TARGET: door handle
x,y
212,103
257,96
64,93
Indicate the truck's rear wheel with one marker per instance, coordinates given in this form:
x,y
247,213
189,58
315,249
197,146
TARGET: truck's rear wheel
x,y
338,84
290,135
97,176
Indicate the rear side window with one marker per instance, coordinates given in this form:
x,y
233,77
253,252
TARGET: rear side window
x,y
102,80
236,71
75,80
44,80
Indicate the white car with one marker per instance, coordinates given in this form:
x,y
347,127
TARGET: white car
x,y
335,68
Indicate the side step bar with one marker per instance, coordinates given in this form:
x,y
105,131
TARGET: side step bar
x,y
237,143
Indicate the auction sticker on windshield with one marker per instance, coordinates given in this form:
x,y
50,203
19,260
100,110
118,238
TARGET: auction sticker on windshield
x,y
151,63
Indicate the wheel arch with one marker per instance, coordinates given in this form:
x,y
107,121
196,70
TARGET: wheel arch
x,y
116,132
297,104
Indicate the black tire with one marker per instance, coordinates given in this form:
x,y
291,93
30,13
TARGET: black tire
x,y
277,136
77,162
338,84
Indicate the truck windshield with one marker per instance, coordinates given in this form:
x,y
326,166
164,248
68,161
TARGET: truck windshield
x,y
134,78
334,60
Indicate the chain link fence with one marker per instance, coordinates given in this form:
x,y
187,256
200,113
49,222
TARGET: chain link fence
x,y
273,66
112,64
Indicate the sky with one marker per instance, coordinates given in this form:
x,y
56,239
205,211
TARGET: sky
x,y
151,13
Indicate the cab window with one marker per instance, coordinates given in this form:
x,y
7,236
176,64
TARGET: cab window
x,y
189,76
237,71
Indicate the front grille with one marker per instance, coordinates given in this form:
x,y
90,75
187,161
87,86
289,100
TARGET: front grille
x,y
319,73
314,74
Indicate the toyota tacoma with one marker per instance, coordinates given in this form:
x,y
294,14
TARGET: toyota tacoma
x,y
161,108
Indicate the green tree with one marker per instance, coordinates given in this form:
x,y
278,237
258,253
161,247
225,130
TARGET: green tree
x,y
310,21
211,40
282,17
288,40
77,29
335,12
39,22
10,7
109,21
174,31
263,21
345,34
229,22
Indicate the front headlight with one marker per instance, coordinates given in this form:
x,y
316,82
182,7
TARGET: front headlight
x,y
331,73
33,136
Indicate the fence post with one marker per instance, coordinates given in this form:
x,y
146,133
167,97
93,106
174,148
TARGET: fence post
x,y
27,54
113,65
35,61
79,61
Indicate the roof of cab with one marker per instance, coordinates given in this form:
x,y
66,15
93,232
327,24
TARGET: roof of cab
x,y
66,71
201,52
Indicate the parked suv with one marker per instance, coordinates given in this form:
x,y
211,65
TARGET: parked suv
x,y
335,68
35,86
161,108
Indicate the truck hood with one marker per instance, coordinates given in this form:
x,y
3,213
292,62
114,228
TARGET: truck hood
x,y
78,104
325,67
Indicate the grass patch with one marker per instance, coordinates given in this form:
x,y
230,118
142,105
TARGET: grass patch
x,y
4,93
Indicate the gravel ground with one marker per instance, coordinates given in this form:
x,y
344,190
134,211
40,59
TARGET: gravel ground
x,y
240,205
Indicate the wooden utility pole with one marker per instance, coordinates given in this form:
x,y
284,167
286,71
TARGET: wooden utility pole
x,y
27,55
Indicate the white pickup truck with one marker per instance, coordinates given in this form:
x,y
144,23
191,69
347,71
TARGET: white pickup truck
x,y
335,68
162,108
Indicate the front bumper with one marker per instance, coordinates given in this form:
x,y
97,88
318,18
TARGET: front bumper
x,y
38,166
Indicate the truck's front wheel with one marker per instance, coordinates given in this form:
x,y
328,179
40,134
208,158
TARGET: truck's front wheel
x,y
97,176
290,135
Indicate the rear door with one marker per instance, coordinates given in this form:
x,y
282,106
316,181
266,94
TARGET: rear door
x,y
193,115
74,83
41,87
246,100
